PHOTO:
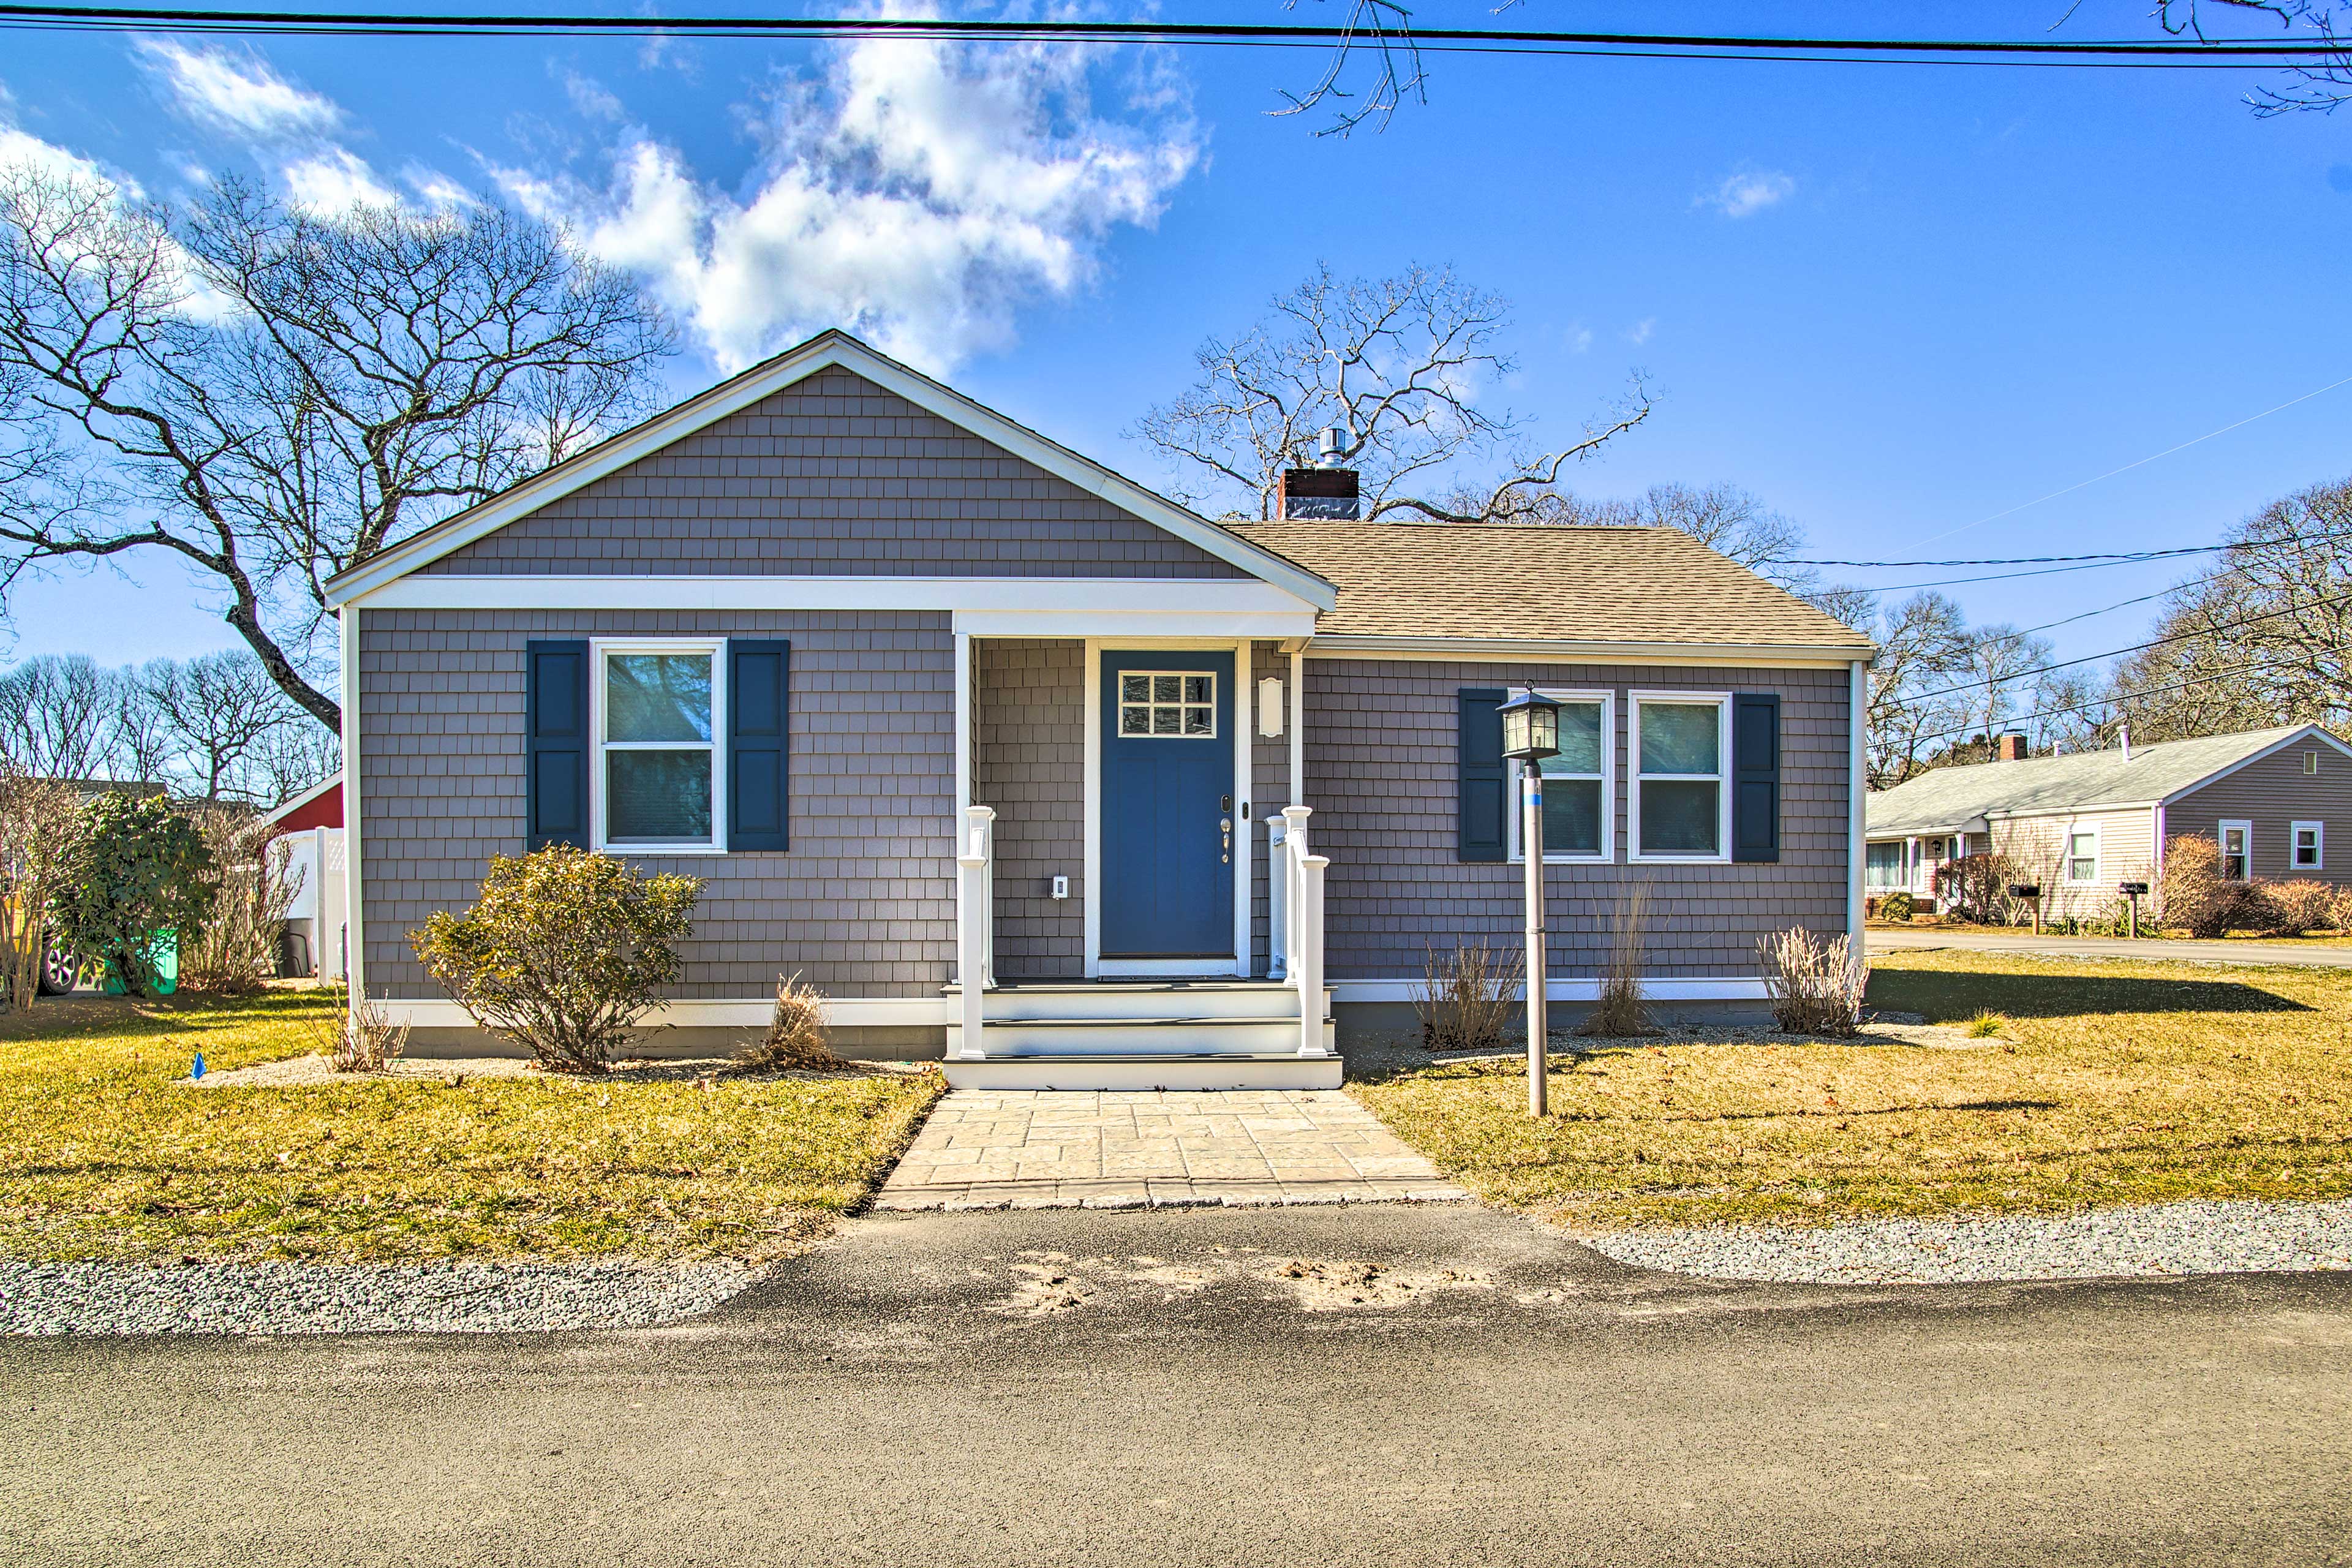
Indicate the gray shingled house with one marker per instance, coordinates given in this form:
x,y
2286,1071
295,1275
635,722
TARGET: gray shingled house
x,y
2081,826
922,694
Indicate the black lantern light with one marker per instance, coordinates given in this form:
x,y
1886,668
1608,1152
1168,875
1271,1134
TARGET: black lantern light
x,y
1531,727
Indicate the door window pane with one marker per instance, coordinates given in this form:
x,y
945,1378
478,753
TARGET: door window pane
x,y
1681,738
1680,816
1179,704
658,797
658,696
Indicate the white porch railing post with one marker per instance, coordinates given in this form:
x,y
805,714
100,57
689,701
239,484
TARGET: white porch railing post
x,y
1278,895
975,934
1308,961
1294,838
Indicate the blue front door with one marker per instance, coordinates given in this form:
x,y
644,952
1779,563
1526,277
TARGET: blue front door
x,y
1169,823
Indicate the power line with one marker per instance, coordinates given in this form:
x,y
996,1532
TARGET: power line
x,y
2084,562
2119,556
2200,678
2135,647
2223,53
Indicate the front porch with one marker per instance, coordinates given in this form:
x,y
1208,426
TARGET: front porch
x,y
1135,892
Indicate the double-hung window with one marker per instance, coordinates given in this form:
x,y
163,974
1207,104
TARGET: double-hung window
x,y
2237,850
1681,805
659,786
1579,794
2310,846
1883,868
2083,855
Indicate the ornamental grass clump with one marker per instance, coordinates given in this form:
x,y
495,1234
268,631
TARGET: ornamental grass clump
x,y
797,1039
1816,983
1622,1011
563,952
1466,996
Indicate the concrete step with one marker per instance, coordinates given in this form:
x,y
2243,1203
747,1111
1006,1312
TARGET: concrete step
x,y
1145,1072
1210,1035
1022,1001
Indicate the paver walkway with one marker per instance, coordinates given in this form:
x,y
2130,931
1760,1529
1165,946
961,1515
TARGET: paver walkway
x,y
1134,1149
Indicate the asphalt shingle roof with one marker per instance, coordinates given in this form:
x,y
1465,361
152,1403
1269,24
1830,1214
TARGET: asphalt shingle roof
x,y
1947,798
1543,582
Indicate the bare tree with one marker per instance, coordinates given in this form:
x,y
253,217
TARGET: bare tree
x,y
1922,647
1397,366
275,394
2322,86
215,712
1383,29
2263,636
58,717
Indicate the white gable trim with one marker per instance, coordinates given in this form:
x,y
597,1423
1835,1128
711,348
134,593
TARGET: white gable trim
x,y
821,353
2308,732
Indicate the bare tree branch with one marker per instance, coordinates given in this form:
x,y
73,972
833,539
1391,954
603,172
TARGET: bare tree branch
x,y
1384,29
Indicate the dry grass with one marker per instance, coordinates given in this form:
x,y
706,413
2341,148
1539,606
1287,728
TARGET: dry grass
x,y
2116,1082
797,1039
102,1155
1621,1011
1817,986
1466,1000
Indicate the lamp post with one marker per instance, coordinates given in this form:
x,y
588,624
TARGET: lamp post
x,y
1530,733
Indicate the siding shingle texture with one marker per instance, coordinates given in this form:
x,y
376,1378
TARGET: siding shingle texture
x,y
863,904
833,476
1028,698
1380,761
2272,794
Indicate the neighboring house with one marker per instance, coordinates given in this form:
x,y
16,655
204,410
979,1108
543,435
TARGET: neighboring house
x,y
919,692
312,823
2082,824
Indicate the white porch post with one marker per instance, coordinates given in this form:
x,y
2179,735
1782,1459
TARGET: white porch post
x,y
974,939
1303,937
1277,896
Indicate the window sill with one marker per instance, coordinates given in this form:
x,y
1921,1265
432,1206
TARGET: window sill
x,y
647,850
1568,860
1678,859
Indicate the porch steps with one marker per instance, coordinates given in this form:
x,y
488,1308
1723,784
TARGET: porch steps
x,y
1143,1035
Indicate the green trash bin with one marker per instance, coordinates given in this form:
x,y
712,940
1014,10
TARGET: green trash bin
x,y
163,957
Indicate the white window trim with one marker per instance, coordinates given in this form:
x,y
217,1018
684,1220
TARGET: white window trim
x,y
1722,699
2221,839
2318,846
598,648
2066,856
1607,852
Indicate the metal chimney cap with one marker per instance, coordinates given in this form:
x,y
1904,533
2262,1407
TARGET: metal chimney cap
x,y
1332,440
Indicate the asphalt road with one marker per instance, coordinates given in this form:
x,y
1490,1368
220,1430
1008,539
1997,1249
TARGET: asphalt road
x,y
1928,938
925,1390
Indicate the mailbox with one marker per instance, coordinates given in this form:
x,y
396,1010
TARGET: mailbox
x,y
2025,889
2137,890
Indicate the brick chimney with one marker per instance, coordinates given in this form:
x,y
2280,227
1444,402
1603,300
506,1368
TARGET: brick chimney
x,y
1326,490
2013,747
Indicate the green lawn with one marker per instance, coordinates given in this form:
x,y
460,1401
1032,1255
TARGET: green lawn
x,y
102,1155
2113,1081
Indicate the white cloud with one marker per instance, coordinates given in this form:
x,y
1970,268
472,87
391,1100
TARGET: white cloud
x,y
237,93
915,192
589,96
1747,192
1580,338
435,189
332,181
1639,333
21,149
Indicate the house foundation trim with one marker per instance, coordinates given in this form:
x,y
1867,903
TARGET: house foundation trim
x,y
1724,989
845,1011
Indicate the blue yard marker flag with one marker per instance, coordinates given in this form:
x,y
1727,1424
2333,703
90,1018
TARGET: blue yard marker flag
x,y
197,1071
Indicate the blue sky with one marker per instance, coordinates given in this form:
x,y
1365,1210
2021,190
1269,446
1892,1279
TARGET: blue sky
x,y
1891,301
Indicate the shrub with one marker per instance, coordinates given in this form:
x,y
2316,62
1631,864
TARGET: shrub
x,y
562,953
237,949
1985,1026
2291,908
135,873
1816,983
1466,996
1622,1011
36,822
2339,909
796,1038
1898,907
362,1039
2197,897
1975,887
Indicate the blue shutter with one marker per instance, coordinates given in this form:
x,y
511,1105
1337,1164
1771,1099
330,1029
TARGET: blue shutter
x,y
758,689
555,720
1756,776
1483,777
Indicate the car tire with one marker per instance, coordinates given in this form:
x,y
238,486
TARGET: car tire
x,y
59,969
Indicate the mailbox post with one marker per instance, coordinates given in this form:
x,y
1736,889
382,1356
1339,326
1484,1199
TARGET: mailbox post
x,y
2135,891
2029,890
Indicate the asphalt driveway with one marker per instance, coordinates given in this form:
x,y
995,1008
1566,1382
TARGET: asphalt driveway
x,y
1384,1385
1927,939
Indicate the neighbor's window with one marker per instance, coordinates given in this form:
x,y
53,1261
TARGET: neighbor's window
x,y
2310,846
1678,791
2311,763
657,766
1181,703
1579,804
1883,865
2237,850
2083,856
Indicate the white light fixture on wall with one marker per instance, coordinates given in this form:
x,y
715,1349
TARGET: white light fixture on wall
x,y
1269,707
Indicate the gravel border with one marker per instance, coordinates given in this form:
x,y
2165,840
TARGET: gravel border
x,y
2203,1236
220,1298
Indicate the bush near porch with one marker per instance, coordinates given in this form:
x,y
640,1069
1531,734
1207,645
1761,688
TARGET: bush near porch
x,y
2106,1082
103,1156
